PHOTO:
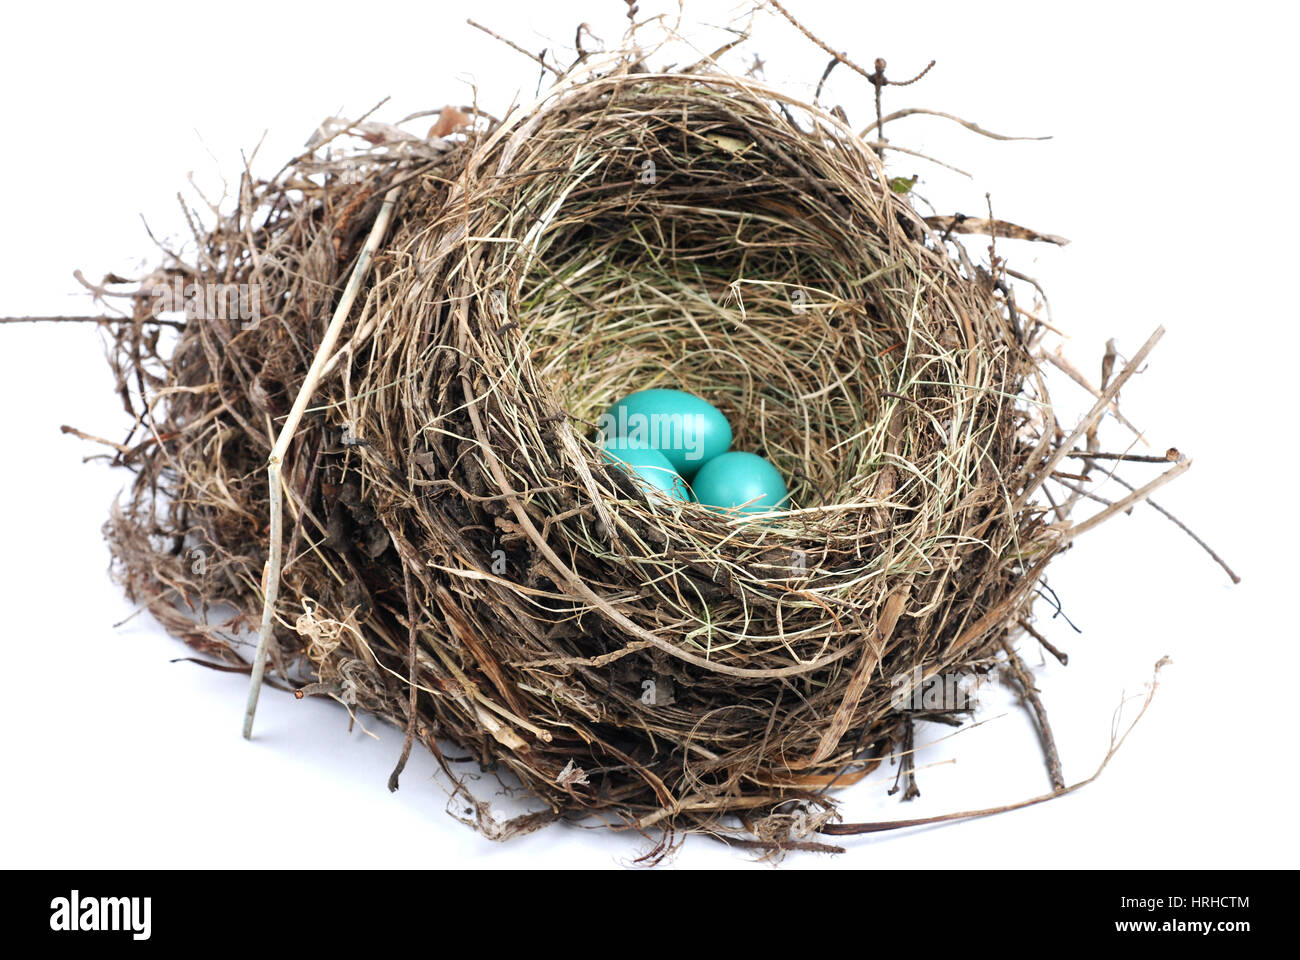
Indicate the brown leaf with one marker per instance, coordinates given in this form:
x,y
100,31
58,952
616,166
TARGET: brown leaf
x,y
449,121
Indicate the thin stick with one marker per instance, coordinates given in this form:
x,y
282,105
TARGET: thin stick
x,y
1187,530
974,127
271,575
94,439
879,145
514,46
1064,365
807,33
1099,408
1117,740
835,62
1137,496
1127,457
1046,644
713,57
101,320
1159,509
411,667
1030,696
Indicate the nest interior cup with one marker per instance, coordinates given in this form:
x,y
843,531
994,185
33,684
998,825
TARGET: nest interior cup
x,y
480,573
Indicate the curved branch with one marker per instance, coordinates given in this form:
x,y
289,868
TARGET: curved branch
x,y
973,127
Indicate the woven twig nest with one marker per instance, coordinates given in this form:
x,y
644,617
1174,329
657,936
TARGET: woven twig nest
x,y
455,542
722,664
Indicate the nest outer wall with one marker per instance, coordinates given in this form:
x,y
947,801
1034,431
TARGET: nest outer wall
x,y
451,524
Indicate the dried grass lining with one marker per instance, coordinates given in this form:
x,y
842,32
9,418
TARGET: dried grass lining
x,y
460,562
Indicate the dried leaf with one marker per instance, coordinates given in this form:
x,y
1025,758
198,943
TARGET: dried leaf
x,y
449,121
571,775
1000,228
730,144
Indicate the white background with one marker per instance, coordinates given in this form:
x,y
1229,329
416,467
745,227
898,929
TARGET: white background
x,y
1171,170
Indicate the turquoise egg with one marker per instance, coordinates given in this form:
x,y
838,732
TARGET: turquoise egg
x,y
734,478
649,467
685,429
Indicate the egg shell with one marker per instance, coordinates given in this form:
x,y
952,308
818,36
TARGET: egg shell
x,y
649,467
732,479
687,430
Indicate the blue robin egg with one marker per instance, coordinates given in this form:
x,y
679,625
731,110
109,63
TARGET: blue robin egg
x,y
737,478
650,468
685,429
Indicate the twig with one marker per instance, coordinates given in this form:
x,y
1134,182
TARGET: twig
x,y
1059,361
905,83
911,111
1187,530
907,763
807,33
1099,408
741,37
1107,369
271,575
879,82
1060,655
120,448
1081,491
1171,456
1137,496
101,320
877,78
1116,742
1047,305
825,74
1030,696
879,145
414,686
514,46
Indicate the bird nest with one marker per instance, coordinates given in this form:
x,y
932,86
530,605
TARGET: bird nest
x,y
456,557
